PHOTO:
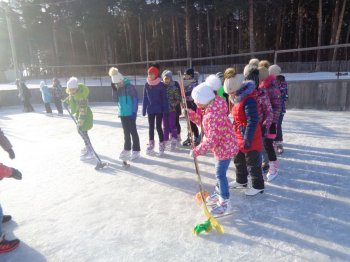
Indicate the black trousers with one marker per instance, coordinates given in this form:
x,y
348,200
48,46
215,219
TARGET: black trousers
x,y
157,118
58,103
48,108
249,163
27,106
84,135
130,131
268,145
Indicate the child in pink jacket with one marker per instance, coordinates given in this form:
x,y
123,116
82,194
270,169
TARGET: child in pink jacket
x,y
219,138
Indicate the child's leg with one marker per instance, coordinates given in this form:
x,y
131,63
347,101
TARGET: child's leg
x,y
86,138
166,126
58,105
279,136
221,178
127,140
178,126
241,168
151,119
268,144
172,124
48,108
134,134
253,159
159,118
194,129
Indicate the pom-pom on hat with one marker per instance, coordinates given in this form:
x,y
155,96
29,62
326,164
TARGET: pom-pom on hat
x,y
202,94
115,75
275,70
232,84
229,72
72,83
153,70
264,63
213,82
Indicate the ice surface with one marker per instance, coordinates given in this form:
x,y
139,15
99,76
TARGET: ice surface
x,y
64,210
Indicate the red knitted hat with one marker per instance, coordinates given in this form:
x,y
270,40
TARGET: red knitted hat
x,y
153,70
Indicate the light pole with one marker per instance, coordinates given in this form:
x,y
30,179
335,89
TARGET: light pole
x,y
12,41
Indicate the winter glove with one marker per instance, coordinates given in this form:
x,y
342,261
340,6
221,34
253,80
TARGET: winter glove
x,y
273,129
134,116
11,153
16,174
247,144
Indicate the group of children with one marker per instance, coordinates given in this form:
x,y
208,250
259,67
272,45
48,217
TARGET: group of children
x,y
54,94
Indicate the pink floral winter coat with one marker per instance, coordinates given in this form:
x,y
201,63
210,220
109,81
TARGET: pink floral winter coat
x,y
220,137
269,84
265,109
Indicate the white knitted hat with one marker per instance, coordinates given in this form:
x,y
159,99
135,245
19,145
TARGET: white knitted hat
x,y
275,70
232,84
115,75
72,83
202,94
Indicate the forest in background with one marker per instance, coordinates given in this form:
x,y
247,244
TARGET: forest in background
x,y
77,32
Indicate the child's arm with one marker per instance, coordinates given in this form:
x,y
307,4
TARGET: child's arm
x,y
212,136
135,100
194,116
251,111
164,99
267,109
82,112
6,145
145,101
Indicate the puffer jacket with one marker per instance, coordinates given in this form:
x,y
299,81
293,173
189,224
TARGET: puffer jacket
x,y
245,112
126,97
265,109
78,104
219,135
274,94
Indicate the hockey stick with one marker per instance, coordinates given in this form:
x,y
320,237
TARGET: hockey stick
x,y
214,223
99,164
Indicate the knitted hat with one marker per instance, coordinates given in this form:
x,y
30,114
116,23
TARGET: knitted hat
x,y
72,83
232,84
115,75
202,94
213,82
42,84
167,73
264,63
263,73
275,70
229,72
254,62
153,70
248,69
190,72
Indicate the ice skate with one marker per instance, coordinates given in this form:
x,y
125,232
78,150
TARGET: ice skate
x,y
125,155
7,245
236,185
273,171
150,148
222,208
161,148
253,191
135,155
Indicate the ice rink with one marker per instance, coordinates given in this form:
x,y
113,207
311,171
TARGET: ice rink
x,y
65,210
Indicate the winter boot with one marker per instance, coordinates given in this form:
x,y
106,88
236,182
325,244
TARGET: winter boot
x,y
187,142
223,207
7,245
179,139
273,171
173,144
16,174
125,155
161,148
88,156
280,149
197,141
83,151
213,198
167,145
236,185
150,148
253,191
135,155
6,218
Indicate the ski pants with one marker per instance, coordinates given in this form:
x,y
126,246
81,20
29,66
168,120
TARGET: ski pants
x,y
157,119
129,128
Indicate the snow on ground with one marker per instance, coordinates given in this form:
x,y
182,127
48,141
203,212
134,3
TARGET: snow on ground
x,y
141,80
64,210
